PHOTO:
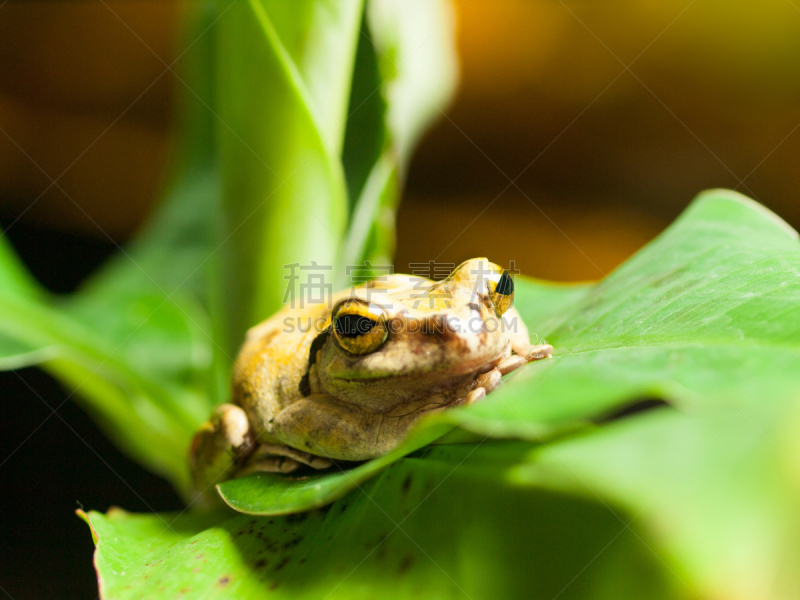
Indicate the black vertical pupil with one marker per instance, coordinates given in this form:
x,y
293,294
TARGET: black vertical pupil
x,y
350,326
505,286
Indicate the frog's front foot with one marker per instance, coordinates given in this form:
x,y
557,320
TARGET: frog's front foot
x,y
226,447
220,446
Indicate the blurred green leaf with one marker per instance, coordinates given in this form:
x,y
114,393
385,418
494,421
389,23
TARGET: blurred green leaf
x,y
406,70
718,492
148,419
414,43
284,76
136,345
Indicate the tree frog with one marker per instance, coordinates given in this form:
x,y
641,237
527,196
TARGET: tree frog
x,y
346,379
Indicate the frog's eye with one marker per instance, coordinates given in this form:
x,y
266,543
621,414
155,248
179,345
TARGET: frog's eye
x,y
359,327
501,293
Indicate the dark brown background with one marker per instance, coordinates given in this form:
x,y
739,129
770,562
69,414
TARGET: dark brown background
x,y
601,159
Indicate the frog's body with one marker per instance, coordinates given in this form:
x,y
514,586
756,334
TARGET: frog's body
x,y
347,379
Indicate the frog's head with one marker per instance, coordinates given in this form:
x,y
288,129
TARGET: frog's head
x,y
401,341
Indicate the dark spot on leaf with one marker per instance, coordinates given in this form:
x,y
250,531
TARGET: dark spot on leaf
x,y
302,560
405,564
422,453
344,507
194,542
283,563
261,563
632,408
406,484
296,518
273,586
271,522
185,590
223,581
292,543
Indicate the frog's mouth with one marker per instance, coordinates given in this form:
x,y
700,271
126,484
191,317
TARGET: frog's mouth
x,y
455,375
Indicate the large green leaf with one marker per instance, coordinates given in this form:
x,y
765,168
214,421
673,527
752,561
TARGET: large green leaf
x,y
148,418
446,525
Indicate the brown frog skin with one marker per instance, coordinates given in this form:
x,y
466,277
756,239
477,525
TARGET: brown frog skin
x,y
348,378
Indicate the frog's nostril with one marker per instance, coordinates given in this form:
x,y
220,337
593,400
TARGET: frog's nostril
x,y
436,325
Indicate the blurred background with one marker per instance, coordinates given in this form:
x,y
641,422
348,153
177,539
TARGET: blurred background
x,y
580,127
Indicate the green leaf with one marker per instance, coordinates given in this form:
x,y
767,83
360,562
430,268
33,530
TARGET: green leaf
x,y
17,349
405,75
445,524
414,42
145,418
150,420
718,492
706,316
284,76
135,346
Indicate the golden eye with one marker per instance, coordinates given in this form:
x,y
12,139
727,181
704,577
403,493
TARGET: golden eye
x,y
501,293
359,327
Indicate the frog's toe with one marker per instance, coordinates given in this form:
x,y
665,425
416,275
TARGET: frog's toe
x,y
474,396
275,451
489,381
539,352
269,464
512,363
